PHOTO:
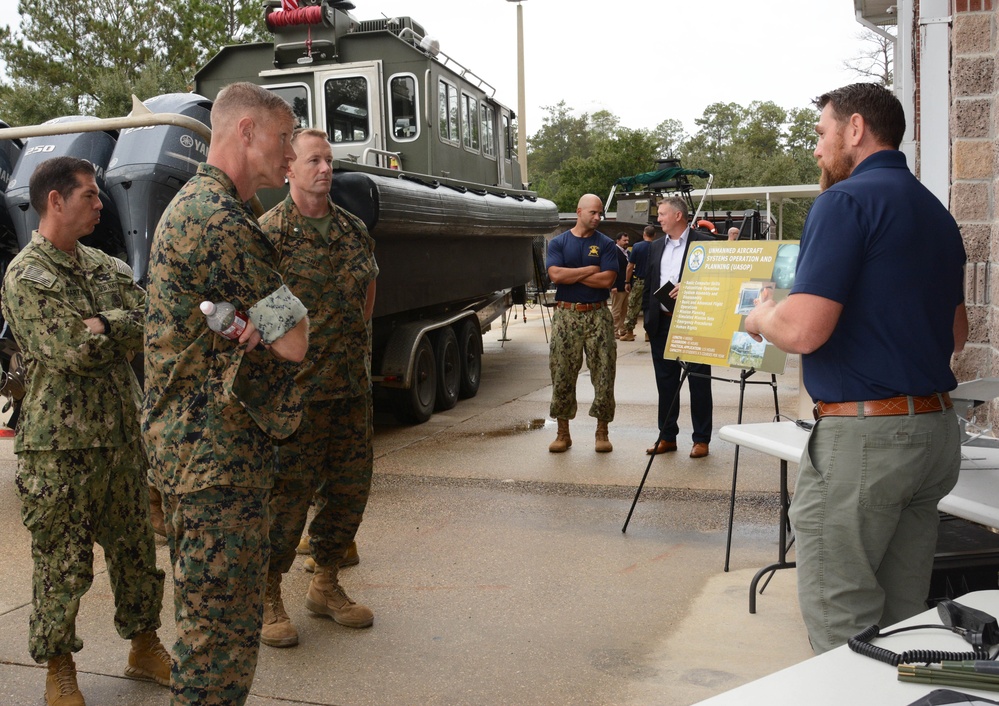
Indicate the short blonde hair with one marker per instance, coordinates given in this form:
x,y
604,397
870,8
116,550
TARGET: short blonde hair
x,y
308,132
244,98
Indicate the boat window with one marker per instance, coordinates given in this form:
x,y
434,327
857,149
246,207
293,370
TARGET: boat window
x,y
507,141
402,90
297,97
488,146
470,122
347,109
447,112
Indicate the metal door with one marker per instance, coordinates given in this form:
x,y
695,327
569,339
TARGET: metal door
x,y
350,108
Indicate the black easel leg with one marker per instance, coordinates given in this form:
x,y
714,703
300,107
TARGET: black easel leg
x,y
655,447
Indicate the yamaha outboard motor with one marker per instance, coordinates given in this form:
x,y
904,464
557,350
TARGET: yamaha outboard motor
x,y
148,167
96,148
11,364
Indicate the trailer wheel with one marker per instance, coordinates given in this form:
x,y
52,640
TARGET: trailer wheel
x,y
470,352
448,369
416,405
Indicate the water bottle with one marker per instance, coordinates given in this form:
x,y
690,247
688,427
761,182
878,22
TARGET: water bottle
x,y
224,319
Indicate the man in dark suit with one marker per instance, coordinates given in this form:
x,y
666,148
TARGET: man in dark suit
x,y
666,258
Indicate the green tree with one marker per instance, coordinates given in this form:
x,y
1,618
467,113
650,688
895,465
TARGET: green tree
x,y
574,155
625,153
759,144
88,58
562,135
718,126
195,31
669,136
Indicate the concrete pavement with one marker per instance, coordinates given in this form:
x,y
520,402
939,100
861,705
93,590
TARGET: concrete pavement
x,y
498,572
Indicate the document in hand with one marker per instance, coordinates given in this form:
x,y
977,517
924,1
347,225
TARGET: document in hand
x,y
662,295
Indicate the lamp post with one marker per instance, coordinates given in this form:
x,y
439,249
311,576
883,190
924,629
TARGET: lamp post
x,y
521,99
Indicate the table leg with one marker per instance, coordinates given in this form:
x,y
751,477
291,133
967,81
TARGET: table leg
x,y
785,526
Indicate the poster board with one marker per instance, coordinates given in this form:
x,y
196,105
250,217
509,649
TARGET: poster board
x,y
721,281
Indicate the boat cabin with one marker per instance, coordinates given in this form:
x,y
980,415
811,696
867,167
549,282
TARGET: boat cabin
x,y
385,93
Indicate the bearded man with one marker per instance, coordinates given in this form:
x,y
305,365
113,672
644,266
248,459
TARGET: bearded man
x,y
885,447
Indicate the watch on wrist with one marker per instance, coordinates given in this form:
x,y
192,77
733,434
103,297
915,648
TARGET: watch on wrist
x,y
107,324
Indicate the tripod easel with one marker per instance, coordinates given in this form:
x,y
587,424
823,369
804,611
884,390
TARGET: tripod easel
x,y
743,381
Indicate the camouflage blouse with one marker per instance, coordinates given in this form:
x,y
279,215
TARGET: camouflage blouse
x,y
81,391
331,276
211,408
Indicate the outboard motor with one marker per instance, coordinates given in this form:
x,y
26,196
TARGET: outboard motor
x,y
96,148
11,364
148,167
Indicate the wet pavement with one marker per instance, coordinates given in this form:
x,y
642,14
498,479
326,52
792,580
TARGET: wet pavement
x,y
498,572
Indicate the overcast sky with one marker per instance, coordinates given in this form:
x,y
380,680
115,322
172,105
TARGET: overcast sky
x,y
645,61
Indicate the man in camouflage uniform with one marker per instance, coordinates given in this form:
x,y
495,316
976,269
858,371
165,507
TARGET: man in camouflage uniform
x,y
582,262
214,407
634,281
78,316
327,257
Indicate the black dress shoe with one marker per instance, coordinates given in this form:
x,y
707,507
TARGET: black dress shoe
x,y
663,447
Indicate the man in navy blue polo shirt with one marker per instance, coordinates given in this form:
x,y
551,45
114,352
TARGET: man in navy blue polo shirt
x,y
876,309
582,262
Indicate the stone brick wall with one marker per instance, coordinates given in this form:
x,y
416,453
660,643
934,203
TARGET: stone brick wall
x,y
974,126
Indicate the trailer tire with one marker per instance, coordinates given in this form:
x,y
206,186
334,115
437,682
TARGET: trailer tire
x,y
470,352
448,369
415,405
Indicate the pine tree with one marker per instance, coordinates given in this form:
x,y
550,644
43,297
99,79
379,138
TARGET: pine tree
x,y
88,57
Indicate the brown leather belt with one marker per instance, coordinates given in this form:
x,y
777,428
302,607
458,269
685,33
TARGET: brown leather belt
x,y
890,407
580,307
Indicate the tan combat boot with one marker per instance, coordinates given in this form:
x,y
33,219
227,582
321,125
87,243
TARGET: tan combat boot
x,y
303,545
327,597
562,440
603,444
60,683
277,630
148,659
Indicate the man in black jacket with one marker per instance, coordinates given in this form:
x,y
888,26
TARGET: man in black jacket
x,y
666,258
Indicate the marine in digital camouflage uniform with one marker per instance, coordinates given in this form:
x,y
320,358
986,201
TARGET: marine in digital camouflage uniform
x,y
582,262
214,407
327,258
77,316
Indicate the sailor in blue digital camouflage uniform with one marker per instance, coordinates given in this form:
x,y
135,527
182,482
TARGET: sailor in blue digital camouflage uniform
x,y
214,407
77,316
582,262
327,258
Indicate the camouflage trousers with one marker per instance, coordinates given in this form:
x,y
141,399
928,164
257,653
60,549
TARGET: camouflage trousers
x,y
575,333
634,304
329,459
218,548
70,500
